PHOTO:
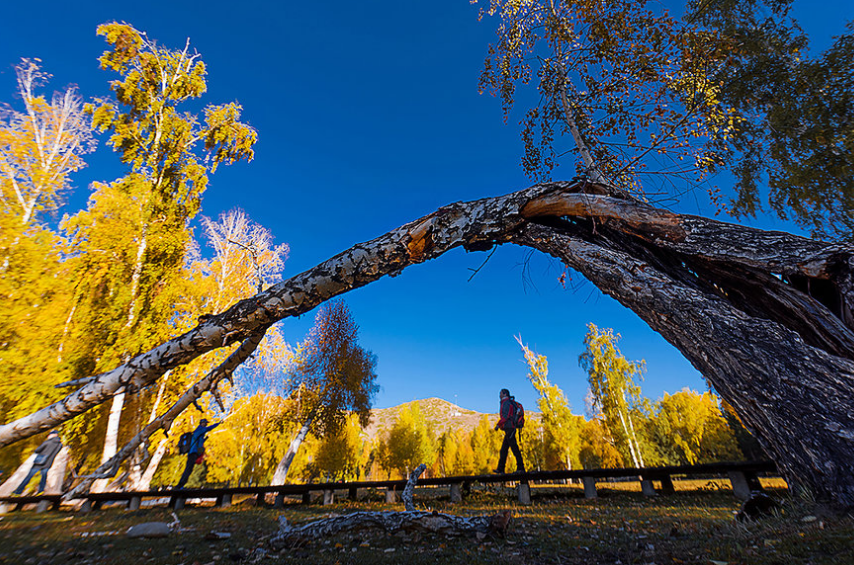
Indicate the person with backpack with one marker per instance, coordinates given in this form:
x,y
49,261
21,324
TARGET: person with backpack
x,y
511,417
45,454
196,450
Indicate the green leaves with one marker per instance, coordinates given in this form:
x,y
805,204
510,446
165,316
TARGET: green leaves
x,y
794,134
607,75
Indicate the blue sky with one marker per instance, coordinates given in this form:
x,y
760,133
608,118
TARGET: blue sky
x,y
368,117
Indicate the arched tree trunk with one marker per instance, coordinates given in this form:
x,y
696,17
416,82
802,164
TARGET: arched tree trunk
x,y
765,316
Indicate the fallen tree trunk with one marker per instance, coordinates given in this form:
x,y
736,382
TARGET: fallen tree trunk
x,y
389,522
767,317
410,520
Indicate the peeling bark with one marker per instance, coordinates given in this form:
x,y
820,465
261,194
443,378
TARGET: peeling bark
x,y
391,523
765,316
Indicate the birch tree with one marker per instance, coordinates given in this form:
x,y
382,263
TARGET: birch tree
x,y
793,150
408,443
333,375
339,455
132,241
560,427
613,388
620,85
41,146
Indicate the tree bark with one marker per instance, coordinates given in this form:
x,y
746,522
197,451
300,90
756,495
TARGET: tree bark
x,y
765,316
391,523
408,495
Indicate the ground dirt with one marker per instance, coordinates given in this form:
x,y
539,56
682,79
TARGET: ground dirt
x,y
694,526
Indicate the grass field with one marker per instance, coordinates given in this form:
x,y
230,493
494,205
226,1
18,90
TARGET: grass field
x,y
694,526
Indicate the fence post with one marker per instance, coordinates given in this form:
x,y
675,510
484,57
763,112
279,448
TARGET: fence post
x,y
647,487
134,503
589,487
223,501
524,493
353,493
740,486
390,495
328,497
667,485
456,493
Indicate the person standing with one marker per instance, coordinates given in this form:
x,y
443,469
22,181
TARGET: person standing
x,y
45,454
197,449
507,422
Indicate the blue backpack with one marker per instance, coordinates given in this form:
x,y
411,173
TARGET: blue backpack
x,y
184,443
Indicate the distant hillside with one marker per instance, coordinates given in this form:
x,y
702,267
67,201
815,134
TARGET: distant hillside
x,y
440,414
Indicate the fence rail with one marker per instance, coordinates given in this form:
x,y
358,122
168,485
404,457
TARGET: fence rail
x,y
743,478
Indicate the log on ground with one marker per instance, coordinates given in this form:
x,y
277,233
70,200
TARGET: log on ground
x,y
391,523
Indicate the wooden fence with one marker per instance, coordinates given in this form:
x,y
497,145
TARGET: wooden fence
x,y
742,476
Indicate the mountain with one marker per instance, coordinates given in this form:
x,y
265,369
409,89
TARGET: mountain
x,y
440,415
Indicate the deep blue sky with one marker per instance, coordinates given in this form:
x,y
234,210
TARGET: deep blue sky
x,y
368,117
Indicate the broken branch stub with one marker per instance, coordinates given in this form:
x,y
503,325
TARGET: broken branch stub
x,y
409,489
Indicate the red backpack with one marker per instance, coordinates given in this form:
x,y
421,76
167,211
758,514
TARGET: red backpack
x,y
517,414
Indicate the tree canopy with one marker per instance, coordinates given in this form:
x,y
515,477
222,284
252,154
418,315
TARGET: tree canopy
x,y
656,105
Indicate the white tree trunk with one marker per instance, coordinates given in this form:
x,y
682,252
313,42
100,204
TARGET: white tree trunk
x,y
111,439
144,482
15,479
629,441
634,439
56,474
569,118
284,465
141,480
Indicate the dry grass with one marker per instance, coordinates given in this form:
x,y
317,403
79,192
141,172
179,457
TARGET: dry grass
x,y
694,526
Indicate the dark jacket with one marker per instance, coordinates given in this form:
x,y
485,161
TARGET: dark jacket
x,y
46,452
508,407
197,444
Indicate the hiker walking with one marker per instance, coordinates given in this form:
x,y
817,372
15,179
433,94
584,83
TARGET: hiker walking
x,y
197,450
45,454
507,421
